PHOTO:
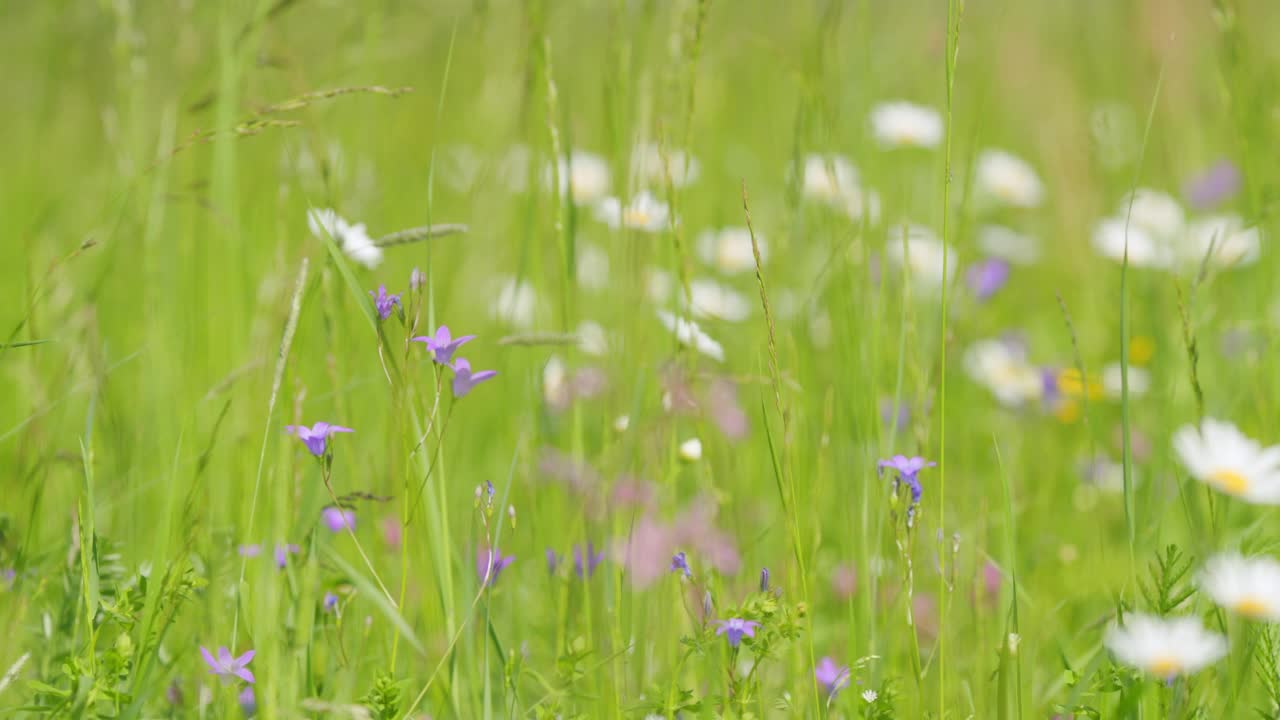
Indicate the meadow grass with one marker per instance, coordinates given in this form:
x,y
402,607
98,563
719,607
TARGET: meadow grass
x,y
202,200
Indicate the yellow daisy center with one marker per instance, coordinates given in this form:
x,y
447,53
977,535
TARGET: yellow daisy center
x,y
1229,481
1165,666
635,217
1251,607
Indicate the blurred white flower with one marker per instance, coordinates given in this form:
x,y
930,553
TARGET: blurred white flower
x,y
1003,369
555,383
1007,244
689,334
1218,454
922,256
828,177
621,423
592,267
710,299
729,249
1008,178
691,450
870,696
1145,250
1232,244
515,303
592,339
905,124
1139,380
585,177
1165,647
649,168
1248,586
861,203
353,239
658,285
645,212
1158,213
460,167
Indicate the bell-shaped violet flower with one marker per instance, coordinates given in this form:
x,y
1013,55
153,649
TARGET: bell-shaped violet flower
x,y
585,563
283,552
1213,186
491,562
316,436
734,629
907,468
338,519
831,676
385,304
987,277
226,667
680,563
464,379
442,345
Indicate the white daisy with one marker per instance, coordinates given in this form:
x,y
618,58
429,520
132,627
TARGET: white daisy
x,y
592,339
710,299
1002,369
515,303
585,177
729,249
1139,380
828,177
922,255
1233,244
691,450
555,383
649,167
1158,213
1218,454
1007,244
1248,586
1009,179
1145,249
353,239
689,334
1164,647
904,124
645,212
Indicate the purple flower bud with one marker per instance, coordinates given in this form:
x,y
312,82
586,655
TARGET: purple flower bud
x,y
680,563
764,579
417,280
339,519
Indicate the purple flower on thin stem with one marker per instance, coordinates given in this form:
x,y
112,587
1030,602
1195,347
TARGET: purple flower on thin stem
x,y
316,436
442,345
249,551
330,603
1211,187
464,380
225,666
907,468
680,563
383,302
987,277
248,701
830,676
734,629
553,561
587,563
283,552
489,563
338,519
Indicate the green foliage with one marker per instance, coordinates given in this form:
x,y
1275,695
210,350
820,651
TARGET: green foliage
x,y
1169,585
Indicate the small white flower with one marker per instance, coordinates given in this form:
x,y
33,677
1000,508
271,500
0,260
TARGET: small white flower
x,y
870,696
592,267
650,168
1009,179
1163,647
1218,454
828,177
904,124
353,239
1004,371
1012,642
515,304
1008,244
585,177
710,299
922,253
1246,586
1145,250
1158,213
645,212
689,334
1233,244
555,385
1139,380
592,339
691,450
730,250
621,423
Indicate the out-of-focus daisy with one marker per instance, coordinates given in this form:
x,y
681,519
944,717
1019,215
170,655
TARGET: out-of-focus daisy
x,y
650,168
1248,586
1144,249
592,339
1003,369
515,303
1224,240
689,334
1218,454
1009,179
585,177
828,177
1165,647
861,203
645,212
1139,380
352,238
922,254
729,249
691,450
1158,213
592,267
905,124
1006,244
710,299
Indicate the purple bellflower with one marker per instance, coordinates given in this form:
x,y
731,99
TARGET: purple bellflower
x,y
464,380
987,277
553,561
830,676
1214,185
226,667
734,629
316,437
489,563
249,551
283,552
585,563
443,345
338,519
680,563
330,603
907,468
248,701
384,303
764,579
